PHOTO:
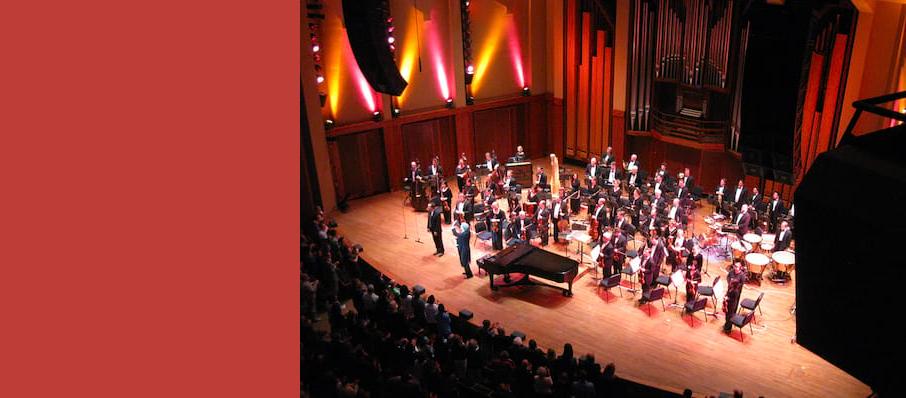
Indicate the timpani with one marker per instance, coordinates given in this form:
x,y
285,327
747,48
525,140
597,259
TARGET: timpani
x,y
756,263
740,248
784,262
754,239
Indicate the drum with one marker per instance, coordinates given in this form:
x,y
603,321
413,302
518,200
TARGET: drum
x,y
767,247
529,207
752,238
740,248
756,263
783,261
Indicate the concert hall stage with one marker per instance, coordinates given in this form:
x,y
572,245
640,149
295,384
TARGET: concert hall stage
x,y
662,350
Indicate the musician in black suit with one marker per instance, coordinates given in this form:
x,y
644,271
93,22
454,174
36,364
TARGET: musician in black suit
x,y
633,162
593,191
784,236
647,272
619,246
693,273
612,174
600,214
687,180
446,197
574,196
512,230
736,278
620,222
633,179
776,210
524,227
558,213
520,154
435,170
659,184
648,221
605,258
608,156
496,236
695,259
470,190
662,172
739,196
658,202
413,178
636,204
542,220
463,208
489,162
743,219
593,171
461,170
676,212
541,178
434,228
614,192
755,200
683,194
720,195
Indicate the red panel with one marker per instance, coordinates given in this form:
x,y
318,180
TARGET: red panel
x,y
808,110
830,99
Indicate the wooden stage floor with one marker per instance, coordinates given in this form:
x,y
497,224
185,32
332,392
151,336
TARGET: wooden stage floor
x,y
663,350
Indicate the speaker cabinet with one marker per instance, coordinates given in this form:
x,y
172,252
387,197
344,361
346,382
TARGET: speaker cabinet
x,y
366,26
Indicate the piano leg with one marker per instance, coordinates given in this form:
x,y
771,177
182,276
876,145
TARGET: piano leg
x,y
491,277
569,293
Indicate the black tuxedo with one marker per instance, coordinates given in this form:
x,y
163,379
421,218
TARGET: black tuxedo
x,y
607,159
775,212
496,237
435,170
638,180
735,282
743,197
690,182
448,197
647,275
597,173
743,223
466,209
607,260
555,218
460,182
543,217
679,215
601,216
606,176
494,164
782,243
541,179
755,201
434,227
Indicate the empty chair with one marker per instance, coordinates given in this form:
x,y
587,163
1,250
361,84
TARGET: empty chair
x,y
692,307
663,280
741,320
708,291
611,282
654,294
629,272
750,305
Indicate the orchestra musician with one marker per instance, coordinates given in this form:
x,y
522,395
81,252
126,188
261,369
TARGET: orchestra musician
x,y
470,190
541,178
446,198
783,237
612,174
736,278
520,154
775,211
542,220
739,195
678,250
599,216
462,173
618,240
633,181
496,228
676,212
574,195
662,172
593,192
435,170
658,202
693,273
682,193
558,213
755,200
523,227
605,258
647,272
743,219
463,209
608,156
619,222
687,181
489,162
659,186
614,192
434,228
413,177
509,182
592,172
533,194
721,192
633,162
648,222
512,230
635,205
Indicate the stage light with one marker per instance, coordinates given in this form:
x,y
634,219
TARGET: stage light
x,y
450,102
390,40
315,48
377,116
526,92
328,124
470,100
468,2
320,79
470,69
390,30
396,112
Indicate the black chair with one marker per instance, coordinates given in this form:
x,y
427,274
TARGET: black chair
x,y
752,305
708,291
741,320
611,282
695,306
663,280
627,270
652,295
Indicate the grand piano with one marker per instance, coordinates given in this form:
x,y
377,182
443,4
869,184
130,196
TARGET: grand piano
x,y
530,261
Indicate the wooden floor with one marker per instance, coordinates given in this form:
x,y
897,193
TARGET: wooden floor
x,y
663,350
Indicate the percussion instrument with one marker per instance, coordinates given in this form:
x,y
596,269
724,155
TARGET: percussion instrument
x,y
740,248
752,238
767,247
756,263
783,261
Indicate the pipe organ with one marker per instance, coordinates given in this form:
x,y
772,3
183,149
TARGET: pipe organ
x,y
683,55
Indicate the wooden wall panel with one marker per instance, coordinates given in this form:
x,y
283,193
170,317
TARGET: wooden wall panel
x,y
808,109
357,161
536,139
556,139
831,92
494,130
423,140
607,98
618,135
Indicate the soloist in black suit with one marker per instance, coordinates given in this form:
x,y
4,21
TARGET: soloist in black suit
x,y
434,227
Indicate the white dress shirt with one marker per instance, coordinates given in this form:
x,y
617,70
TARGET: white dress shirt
x,y
738,192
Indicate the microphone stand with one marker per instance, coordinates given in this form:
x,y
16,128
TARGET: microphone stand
x,y
403,208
